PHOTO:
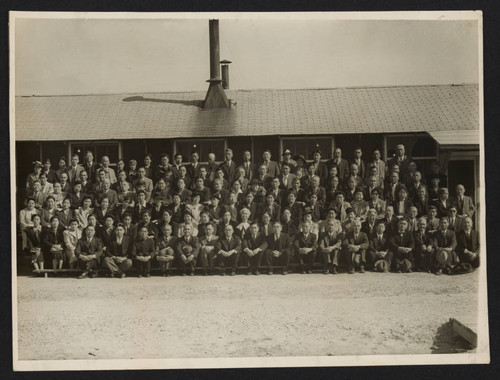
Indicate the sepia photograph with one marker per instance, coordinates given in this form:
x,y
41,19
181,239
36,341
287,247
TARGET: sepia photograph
x,y
216,190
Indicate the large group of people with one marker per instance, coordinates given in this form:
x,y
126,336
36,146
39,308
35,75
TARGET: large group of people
x,y
222,216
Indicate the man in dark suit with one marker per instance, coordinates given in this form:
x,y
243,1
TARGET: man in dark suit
x,y
320,168
228,166
423,246
270,207
75,169
144,252
305,245
402,245
286,177
278,250
88,250
248,165
358,153
165,245
315,188
444,244
194,166
261,177
355,244
342,165
402,161
208,248
272,166
119,253
392,188
254,246
294,208
468,244
228,250
329,245
368,226
187,249
379,251
90,167
34,240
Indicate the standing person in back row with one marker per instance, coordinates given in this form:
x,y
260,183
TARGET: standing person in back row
x,y
272,167
342,165
402,161
228,166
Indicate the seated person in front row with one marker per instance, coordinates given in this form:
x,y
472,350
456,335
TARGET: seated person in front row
x,y
52,242
330,244
278,250
402,244
208,244
254,246
144,252
444,244
34,239
379,251
88,251
119,252
355,244
187,249
305,245
165,245
228,250
423,247
468,244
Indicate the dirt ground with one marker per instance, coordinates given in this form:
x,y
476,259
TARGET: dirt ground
x,y
294,315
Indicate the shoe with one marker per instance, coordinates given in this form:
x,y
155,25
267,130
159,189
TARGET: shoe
x,y
439,272
140,276
164,275
249,272
303,272
184,274
223,273
334,270
361,269
270,272
409,271
326,271
285,272
351,271
256,273
122,275
148,275
309,272
93,274
191,273
205,273
83,275
232,273
398,271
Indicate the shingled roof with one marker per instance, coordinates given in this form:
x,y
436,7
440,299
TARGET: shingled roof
x,y
253,112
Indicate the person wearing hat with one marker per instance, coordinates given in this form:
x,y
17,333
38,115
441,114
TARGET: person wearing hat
x,y
301,162
444,244
423,246
248,166
330,243
402,245
468,244
379,252
355,245
88,251
272,167
228,250
119,253
35,176
305,246
287,159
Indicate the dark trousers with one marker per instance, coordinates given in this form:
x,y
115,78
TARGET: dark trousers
x,y
356,258
207,259
143,267
87,265
188,267
331,258
306,260
228,262
423,259
253,261
281,261
115,267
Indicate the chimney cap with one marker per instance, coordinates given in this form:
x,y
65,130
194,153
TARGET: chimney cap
x,y
225,62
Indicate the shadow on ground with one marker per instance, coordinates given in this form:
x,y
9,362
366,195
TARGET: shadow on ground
x,y
195,103
447,342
